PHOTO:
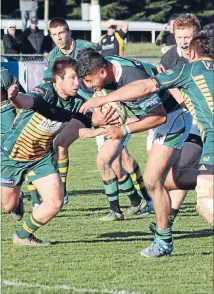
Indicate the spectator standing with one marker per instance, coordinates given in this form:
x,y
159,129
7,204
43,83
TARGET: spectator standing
x,y
11,44
112,43
166,36
28,8
33,38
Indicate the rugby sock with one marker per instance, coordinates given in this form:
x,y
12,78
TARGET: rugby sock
x,y
62,166
35,199
126,186
165,235
29,227
111,190
173,215
138,182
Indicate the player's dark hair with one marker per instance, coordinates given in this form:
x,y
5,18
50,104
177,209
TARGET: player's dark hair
x,y
61,64
89,62
203,45
58,22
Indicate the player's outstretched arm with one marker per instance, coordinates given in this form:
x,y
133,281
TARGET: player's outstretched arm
x,y
18,99
134,90
86,133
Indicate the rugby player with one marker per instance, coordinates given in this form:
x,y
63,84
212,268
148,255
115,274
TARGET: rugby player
x,y
185,27
65,46
115,72
8,114
196,83
28,145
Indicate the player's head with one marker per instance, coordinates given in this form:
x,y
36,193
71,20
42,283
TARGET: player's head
x,y
201,46
64,73
111,29
185,27
60,33
92,68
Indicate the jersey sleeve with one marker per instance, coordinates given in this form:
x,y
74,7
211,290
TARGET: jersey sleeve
x,y
174,78
122,34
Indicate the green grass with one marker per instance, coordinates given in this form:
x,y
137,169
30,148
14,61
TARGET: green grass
x,y
95,255
145,49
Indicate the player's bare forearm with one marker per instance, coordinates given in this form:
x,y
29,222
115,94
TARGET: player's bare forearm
x,y
152,120
134,90
86,133
176,94
18,99
23,101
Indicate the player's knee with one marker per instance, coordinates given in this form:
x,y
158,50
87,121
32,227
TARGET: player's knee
x,y
55,205
102,161
205,199
62,152
150,183
9,204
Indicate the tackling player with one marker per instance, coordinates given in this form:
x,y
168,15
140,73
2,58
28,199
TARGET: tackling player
x,y
28,145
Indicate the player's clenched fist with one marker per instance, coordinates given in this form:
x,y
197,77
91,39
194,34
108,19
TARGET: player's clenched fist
x,y
13,92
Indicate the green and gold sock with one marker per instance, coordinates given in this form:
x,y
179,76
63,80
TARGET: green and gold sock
x,y
138,182
62,166
126,186
111,191
29,227
35,198
165,235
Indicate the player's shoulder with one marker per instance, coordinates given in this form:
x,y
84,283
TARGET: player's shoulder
x,y
171,52
7,78
54,53
45,89
82,44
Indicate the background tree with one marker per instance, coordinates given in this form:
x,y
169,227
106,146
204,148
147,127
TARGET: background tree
x,y
141,10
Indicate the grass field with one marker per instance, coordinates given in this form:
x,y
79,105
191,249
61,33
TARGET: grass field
x,y
94,257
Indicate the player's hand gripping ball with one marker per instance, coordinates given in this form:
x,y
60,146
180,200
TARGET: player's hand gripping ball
x,y
120,111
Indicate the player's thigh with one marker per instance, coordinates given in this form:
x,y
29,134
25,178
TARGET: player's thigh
x,y
190,155
109,151
161,159
68,134
44,175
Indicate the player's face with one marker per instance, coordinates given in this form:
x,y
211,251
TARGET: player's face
x,y
183,37
61,37
70,83
95,80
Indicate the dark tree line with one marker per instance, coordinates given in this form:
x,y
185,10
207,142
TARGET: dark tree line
x,y
140,10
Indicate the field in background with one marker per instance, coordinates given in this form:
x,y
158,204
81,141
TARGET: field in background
x,y
95,257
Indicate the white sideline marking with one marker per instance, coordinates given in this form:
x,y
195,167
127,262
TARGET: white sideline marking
x,y
65,287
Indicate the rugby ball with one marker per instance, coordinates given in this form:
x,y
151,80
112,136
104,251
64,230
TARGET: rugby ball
x,y
120,109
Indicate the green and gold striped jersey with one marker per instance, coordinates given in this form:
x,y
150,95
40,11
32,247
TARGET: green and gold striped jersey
x,y
8,111
34,130
196,82
55,53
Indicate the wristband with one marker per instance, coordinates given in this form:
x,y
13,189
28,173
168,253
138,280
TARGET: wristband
x,y
125,130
